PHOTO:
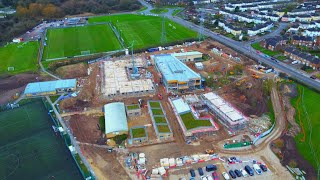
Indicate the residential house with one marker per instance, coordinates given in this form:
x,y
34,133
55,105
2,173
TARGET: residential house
x,y
315,16
307,25
304,18
229,28
313,32
260,28
302,41
302,11
274,43
317,23
294,28
302,57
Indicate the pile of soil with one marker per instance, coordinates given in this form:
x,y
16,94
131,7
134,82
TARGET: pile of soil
x,y
290,152
290,90
73,71
11,85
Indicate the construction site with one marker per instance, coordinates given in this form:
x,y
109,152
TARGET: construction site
x,y
168,98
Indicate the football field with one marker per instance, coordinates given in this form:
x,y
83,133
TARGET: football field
x,y
22,57
145,31
73,41
29,149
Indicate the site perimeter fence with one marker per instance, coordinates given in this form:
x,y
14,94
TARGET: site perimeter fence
x,y
310,135
69,141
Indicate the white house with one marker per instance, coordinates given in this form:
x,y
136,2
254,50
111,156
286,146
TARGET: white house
x,y
313,32
260,29
307,25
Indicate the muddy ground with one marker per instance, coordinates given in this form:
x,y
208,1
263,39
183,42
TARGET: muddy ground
x,y
73,71
289,152
9,86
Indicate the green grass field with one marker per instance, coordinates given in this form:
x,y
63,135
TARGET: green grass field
x,y
72,41
265,51
155,104
145,31
134,106
22,56
160,119
159,10
310,101
29,149
139,132
157,111
191,123
163,128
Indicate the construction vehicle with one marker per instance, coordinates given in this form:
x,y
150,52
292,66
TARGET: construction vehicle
x,y
255,76
209,151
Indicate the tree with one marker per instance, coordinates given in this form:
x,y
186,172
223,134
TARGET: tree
x,y
22,11
51,11
237,9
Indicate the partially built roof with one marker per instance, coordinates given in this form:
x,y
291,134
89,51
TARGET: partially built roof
x,y
224,107
181,106
173,69
49,86
190,53
115,117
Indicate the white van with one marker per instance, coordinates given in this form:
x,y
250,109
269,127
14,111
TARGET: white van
x,y
257,169
226,176
244,173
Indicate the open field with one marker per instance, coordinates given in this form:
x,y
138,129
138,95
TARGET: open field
x,y
191,123
72,41
30,149
163,128
155,104
159,10
22,56
265,51
139,132
134,106
310,101
145,31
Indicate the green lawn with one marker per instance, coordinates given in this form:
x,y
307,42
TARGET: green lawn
x,y
145,31
281,58
159,10
160,119
142,9
155,104
311,100
157,111
163,128
134,106
176,11
72,41
139,132
264,51
22,56
82,166
191,123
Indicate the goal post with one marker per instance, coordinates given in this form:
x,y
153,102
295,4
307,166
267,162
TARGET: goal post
x,y
85,52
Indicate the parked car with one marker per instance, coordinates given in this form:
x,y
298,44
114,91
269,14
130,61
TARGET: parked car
x,y
249,170
257,169
313,77
192,173
232,174
209,177
226,176
238,173
211,167
215,176
200,171
263,167
244,173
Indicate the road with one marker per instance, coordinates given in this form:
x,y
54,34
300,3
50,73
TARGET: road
x,y
247,50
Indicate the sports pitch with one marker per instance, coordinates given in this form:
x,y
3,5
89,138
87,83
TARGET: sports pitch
x,y
21,56
145,31
73,41
29,149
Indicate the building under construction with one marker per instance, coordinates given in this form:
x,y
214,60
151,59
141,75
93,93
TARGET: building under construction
x,y
120,81
226,113
175,75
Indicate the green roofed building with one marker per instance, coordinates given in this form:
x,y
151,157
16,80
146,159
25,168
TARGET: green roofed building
x,y
50,87
115,119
